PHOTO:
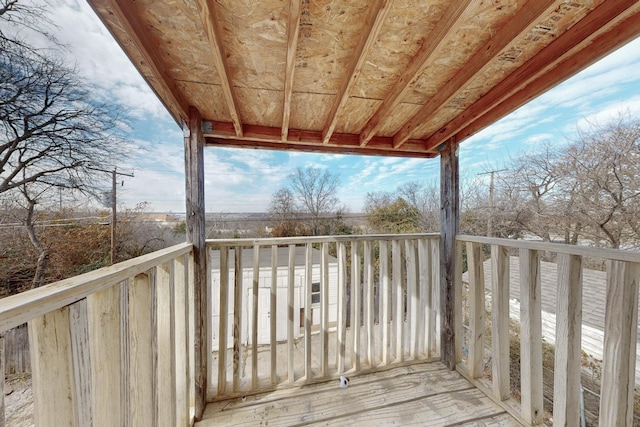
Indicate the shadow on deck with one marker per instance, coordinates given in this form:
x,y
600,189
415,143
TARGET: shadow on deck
x,y
425,394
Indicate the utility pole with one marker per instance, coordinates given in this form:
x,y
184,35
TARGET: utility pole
x,y
491,206
114,199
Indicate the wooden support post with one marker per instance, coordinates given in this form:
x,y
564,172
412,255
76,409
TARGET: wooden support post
x,y
195,222
620,331
449,227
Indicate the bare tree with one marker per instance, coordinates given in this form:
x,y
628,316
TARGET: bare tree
x,y
315,191
53,134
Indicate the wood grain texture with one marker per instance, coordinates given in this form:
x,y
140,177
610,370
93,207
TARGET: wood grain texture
x,y
500,322
566,381
476,310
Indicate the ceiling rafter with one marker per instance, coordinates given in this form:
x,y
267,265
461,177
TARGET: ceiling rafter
x,y
536,75
207,15
136,32
375,19
522,22
453,13
293,30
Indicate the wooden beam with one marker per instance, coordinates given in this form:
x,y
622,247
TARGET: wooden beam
x,y
206,9
414,69
593,37
523,21
195,210
449,228
375,19
269,138
122,18
292,45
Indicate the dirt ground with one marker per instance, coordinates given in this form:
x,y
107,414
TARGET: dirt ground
x,y
18,400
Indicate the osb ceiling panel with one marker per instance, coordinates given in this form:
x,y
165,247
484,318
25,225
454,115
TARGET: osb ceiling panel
x,y
380,77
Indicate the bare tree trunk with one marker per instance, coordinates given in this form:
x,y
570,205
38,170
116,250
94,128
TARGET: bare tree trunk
x,y
43,257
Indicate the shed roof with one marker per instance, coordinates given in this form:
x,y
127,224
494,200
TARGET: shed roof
x,y
381,77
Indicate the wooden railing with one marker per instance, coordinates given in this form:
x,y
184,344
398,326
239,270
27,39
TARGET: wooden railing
x,y
302,310
620,338
113,346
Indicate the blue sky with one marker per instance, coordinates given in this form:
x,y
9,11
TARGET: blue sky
x,y
244,180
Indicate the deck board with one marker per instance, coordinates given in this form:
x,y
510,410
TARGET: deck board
x,y
425,394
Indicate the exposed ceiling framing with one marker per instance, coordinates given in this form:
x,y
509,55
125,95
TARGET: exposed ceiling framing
x,y
374,77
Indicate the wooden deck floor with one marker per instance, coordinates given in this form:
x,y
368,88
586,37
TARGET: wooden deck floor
x,y
426,394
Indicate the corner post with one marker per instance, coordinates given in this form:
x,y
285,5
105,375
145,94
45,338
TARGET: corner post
x,y
195,225
449,228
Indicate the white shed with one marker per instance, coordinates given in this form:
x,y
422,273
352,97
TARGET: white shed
x,y
264,293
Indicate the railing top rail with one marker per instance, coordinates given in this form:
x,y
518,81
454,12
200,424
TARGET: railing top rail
x,y
602,253
317,239
18,309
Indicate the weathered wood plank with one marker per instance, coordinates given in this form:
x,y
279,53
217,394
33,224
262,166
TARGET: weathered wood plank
x,y
237,317
398,315
412,297
566,382
2,380
81,350
449,228
324,310
52,382
290,313
621,326
224,315
385,299
424,290
476,309
196,232
107,363
419,394
141,407
273,314
356,305
434,337
369,289
308,281
500,322
254,316
165,361
180,341
531,337
342,307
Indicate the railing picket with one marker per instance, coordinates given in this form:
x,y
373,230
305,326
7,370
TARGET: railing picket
x,y
356,304
141,407
273,318
424,291
308,264
2,380
254,318
531,337
237,317
223,310
81,361
476,309
324,309
386,303
290,313
412,297
398,316
620,331
165,375
180,348
107,347
567,366
434,332
500,321
370,296
51,370
342,307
